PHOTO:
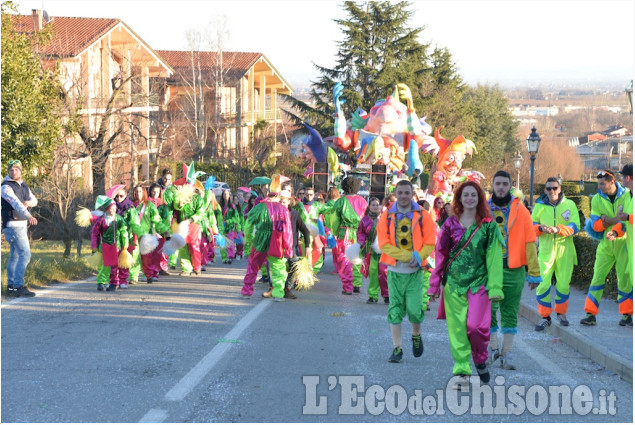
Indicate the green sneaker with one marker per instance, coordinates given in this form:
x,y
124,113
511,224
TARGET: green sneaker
x,y
417,345
627,320
396,356
589,320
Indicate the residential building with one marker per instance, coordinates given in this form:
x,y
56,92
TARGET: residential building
x,y
610,153
109,73
218,98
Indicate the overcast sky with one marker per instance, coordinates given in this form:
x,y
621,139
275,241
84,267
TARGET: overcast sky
x,y
490,41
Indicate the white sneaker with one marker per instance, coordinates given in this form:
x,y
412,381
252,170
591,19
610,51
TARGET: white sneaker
x,y
461,383
123,286
507,362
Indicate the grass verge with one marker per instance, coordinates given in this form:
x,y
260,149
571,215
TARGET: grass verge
x,y
48,265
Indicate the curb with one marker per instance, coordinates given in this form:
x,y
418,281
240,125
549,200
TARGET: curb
x,y
584,346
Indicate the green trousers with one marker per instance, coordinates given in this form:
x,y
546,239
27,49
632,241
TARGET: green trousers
x,y
405,297
513,283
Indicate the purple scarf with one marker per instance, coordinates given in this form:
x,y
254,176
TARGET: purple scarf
x,y
124,206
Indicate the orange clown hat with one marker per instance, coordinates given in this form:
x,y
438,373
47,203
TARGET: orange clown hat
x,y
459,144
276,182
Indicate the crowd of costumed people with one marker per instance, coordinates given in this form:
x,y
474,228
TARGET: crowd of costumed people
x,y
450,239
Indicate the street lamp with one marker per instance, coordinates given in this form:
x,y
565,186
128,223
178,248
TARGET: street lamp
x,y
559,179
533,143
629,97
581,184
518,162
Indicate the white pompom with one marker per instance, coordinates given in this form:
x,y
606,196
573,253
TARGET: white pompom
x,y
375,246
352,253
148,244
183,228
312,229
174,244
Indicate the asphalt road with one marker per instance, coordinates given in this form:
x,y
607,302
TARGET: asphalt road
x,y
193,350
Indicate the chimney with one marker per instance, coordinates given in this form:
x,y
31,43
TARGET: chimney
x,y
36,15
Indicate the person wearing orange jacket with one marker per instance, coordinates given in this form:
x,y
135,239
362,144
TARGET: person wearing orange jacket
x,y
406,237
516,226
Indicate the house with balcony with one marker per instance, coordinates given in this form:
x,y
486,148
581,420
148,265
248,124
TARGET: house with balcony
x,y
218,99
97,57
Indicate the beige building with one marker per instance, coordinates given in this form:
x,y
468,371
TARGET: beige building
x,y
220,96
96,58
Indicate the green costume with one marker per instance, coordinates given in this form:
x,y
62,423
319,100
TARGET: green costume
x,y
609,253
556,252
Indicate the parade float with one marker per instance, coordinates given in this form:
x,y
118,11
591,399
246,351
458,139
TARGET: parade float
x,y
383,146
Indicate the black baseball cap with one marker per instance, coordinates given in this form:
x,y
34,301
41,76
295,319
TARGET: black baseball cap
x,y
627,170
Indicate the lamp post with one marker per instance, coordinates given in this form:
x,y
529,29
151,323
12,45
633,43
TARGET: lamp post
x,y
518,162
629,97
533,143
581,184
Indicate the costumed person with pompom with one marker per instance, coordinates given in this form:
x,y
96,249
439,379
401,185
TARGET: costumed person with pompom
x,y
272,242
109,235
231,224
209,229
298,228
405,236
611,200
187,206
125,209
556,220
313,211
468,278
156,197
348,211
239,202
376,272
149,230
519,250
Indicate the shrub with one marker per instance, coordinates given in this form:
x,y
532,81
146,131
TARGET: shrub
x,y
585,247
583,203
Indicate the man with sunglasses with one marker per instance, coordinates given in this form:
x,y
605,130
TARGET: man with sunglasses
x,y
609,203
17,198
556,220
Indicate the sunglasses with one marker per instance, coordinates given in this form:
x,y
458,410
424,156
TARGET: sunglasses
x,y
551,188
604,174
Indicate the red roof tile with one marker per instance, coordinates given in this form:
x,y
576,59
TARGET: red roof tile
x,y
236,63
71,35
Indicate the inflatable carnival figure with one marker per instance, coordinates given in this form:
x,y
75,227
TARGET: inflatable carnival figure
x,y
383,135
448,171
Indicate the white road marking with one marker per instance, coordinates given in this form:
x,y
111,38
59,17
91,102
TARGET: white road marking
x,y
198,372
154,416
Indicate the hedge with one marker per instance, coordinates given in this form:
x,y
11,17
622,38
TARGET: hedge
x,y
585,247
583,203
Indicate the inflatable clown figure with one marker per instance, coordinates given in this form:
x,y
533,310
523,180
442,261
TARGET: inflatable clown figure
x,y
384,134
448,171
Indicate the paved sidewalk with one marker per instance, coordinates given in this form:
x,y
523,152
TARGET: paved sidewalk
x,y
606,343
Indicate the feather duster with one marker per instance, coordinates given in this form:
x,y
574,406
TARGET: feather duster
x,y
148,244
220,241
94,260
125,259
184,194
83,217
174,244
312,229
302,274
352,253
